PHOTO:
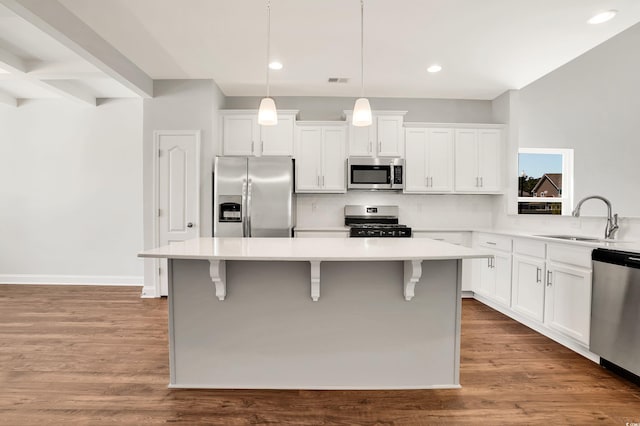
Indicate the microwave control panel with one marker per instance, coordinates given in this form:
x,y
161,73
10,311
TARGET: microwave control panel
x,y
397,175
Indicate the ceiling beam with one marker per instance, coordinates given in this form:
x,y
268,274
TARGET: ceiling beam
x,y
65,88
11,63
8,100
58,22
69,90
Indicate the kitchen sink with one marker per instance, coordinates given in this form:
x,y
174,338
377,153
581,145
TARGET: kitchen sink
x,y
573,238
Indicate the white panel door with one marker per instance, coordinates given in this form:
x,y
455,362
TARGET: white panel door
x,y
487,278
308,159
528,287
466,164
415,161
239,134
568,301
389,132
440,160
489,146
334,160
177,190
361,140
278,139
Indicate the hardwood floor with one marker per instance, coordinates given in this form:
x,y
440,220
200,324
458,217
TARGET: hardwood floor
x,y
98,355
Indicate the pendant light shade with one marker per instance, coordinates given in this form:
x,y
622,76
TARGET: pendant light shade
x,y
362,110
362,113
267,114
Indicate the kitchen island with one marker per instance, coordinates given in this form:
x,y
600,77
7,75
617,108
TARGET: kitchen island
x,y
314,313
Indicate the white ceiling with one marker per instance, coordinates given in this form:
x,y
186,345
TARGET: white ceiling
x,y
484,46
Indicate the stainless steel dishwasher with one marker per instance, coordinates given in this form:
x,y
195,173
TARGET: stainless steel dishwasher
x,y
615,311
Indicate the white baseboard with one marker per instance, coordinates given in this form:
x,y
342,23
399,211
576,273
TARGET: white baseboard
x,y
113,280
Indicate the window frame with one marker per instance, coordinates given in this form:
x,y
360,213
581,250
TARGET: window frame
x,y
566,199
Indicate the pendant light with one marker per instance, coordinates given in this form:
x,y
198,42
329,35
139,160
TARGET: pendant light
x,y
362,109
267,114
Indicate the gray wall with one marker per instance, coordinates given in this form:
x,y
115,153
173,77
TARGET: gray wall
x,y
181,105
427,110
592,104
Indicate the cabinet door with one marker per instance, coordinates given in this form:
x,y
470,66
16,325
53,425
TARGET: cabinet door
x,y
308,159
568,301
489,152
278,139
389,133
361,140
440,160
415,162
528,287
334,160
487,279
502,266
466,164
239,134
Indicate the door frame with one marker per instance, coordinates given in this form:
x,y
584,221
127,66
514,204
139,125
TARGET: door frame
x,y
157,134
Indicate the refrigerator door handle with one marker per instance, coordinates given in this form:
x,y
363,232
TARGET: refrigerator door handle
x,y
249,209
244,207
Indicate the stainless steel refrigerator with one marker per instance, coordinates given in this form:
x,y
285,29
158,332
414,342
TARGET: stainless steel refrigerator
x,y
253,197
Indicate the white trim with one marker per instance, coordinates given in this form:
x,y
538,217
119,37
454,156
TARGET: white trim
x,y
454,125
307,387
114,280
154,289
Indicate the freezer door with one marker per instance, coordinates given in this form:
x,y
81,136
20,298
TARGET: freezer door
x,y
229,187
269,196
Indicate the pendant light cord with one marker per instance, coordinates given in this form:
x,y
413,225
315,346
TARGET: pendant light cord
x,y
361,48
268,41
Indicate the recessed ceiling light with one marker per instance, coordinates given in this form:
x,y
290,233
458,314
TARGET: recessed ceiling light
x,y
602,17
434,68
275,65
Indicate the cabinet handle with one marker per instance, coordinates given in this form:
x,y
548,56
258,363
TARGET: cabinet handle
x,y
491,243
323,181
549,276
488,262
251,147
261,147
477,182
318,179
426,181
493,262
481,181
538,277
379,146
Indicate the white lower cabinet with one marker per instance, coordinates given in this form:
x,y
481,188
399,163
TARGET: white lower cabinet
x,y
459,238
568,301
550,285
494,274
528,286
320,233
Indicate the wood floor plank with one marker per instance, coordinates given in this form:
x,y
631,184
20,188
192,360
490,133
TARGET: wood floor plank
x,y
80,355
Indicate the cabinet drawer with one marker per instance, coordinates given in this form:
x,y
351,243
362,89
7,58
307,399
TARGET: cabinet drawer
x,y
572,255
528,247
494,241
458,238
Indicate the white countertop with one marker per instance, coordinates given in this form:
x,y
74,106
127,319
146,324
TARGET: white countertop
x,y
323,249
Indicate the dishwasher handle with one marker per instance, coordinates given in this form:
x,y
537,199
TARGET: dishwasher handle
x,y
616,257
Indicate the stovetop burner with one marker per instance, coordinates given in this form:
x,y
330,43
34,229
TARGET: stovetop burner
x,y
374,221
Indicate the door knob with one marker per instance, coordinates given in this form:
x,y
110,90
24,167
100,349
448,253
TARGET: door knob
x,y
189,225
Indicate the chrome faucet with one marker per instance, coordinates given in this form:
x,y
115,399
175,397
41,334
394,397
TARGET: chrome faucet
x,y
612,220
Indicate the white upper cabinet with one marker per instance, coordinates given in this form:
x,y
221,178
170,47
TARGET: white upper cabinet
x,y
240,133
320,158
384,138
477,160
429,160
243,136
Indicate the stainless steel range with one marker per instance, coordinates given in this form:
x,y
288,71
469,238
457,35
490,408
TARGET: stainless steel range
x,y
374,221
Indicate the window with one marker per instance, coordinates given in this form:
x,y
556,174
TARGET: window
x,y
545,181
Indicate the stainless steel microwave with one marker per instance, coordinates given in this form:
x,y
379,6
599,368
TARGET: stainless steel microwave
x,y
382,173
